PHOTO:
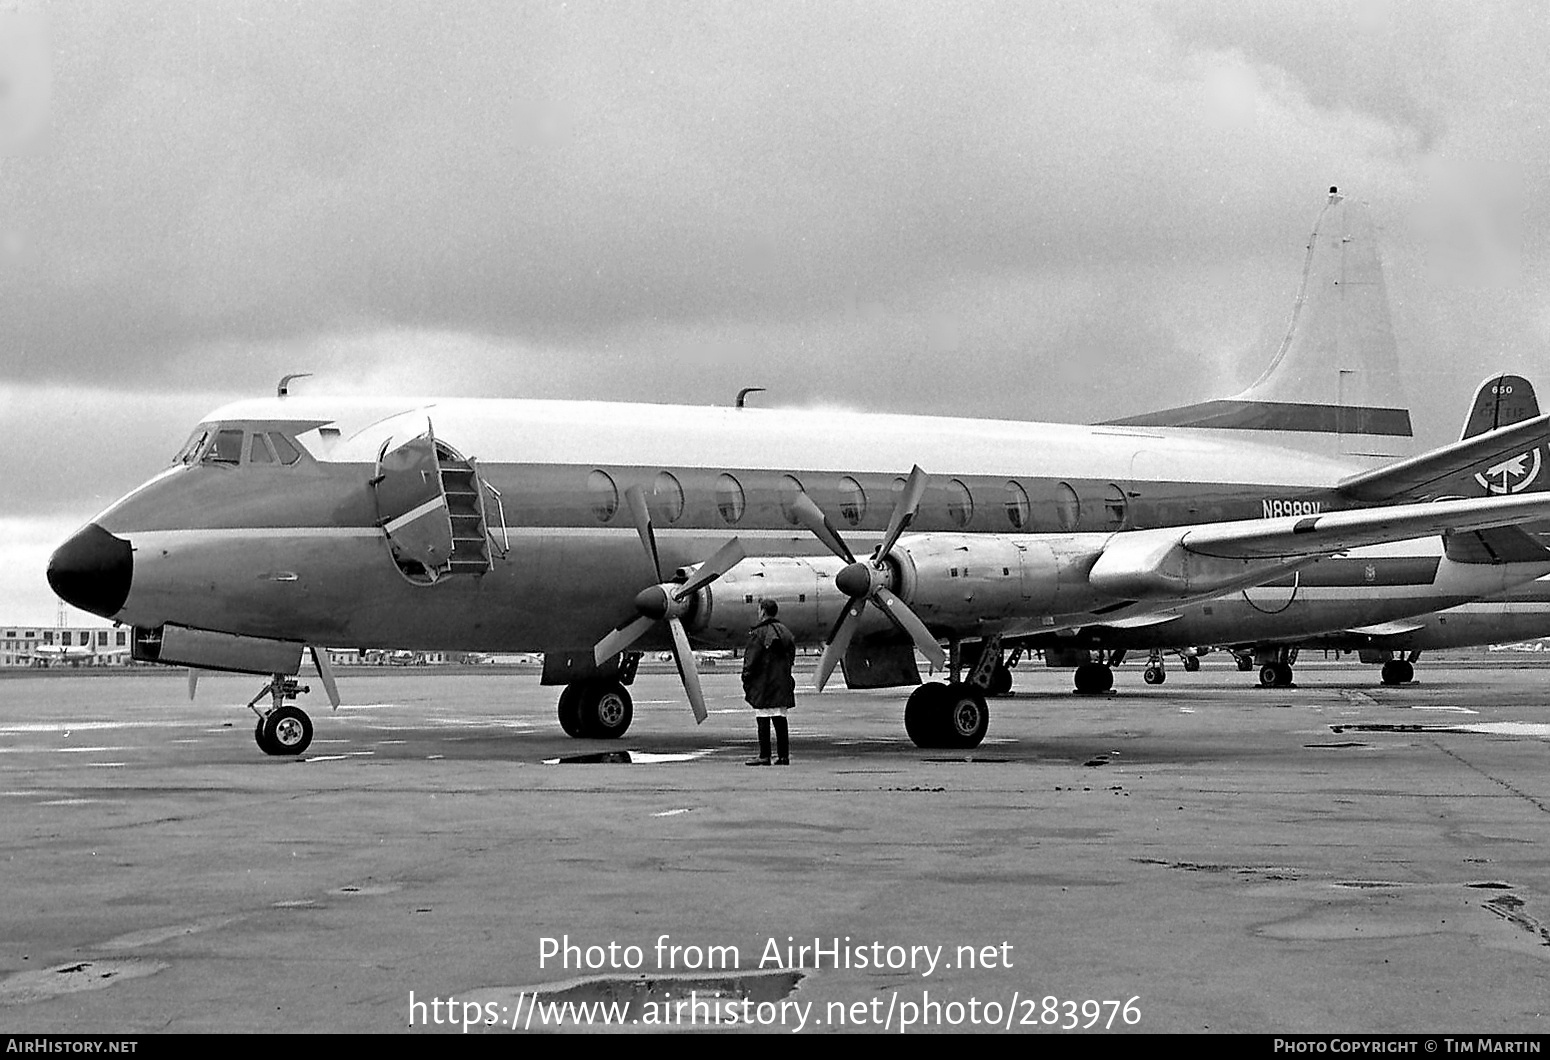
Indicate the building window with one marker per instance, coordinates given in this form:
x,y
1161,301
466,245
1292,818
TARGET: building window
x,y
669,495
1017,507
852,501
731,502
604,494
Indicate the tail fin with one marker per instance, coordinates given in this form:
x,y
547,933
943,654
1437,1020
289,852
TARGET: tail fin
x,y
1501,401
1334,385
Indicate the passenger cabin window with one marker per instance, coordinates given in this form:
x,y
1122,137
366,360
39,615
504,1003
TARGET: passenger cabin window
x,y
1017,509
731,502
1115,506
790,490
1068,507
226,449
852,501
605,495
960,503
670,496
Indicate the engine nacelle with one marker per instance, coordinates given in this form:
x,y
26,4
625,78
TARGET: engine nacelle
x,y
804,587
960,579
206,650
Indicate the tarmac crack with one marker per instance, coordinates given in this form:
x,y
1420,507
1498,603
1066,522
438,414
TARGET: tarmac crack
x,y
1525,796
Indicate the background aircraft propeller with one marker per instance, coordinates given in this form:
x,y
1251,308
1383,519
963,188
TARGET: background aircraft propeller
x,y
863,581
667,602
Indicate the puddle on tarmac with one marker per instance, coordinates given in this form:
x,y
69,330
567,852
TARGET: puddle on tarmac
x,y
627,758
24,987
640,992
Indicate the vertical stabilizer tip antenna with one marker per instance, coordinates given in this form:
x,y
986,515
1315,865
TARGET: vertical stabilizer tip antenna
x,y
742,395
284,389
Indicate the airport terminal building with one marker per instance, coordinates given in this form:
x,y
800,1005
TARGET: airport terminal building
x,y
63,646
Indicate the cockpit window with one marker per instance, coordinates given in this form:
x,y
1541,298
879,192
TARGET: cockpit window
x,y
226,449
258,451
282,445
190,451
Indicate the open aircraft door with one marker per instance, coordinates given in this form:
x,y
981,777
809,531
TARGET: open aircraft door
x,y
430,505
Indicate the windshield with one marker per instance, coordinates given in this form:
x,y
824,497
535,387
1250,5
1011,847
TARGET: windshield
x,y
190,451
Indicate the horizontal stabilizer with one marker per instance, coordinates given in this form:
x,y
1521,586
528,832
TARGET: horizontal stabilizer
x,y
1387,629
1502,544
1507,459
1156,618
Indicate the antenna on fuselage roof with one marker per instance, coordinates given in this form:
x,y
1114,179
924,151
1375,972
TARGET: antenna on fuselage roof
x,y
742,395
284,389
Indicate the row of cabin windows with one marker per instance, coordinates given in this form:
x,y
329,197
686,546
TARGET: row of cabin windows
x,y
667,500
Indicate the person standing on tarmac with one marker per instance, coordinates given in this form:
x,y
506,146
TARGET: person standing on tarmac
x,y
767,683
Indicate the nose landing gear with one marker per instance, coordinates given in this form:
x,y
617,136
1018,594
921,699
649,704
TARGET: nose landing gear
x,y
283,729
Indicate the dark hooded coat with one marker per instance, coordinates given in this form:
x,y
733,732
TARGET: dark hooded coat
x,y
767,662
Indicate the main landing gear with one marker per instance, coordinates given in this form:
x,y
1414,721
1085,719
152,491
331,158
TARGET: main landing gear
x,y
1275,669
283,729
1400,671
599,708
1096,678
952,715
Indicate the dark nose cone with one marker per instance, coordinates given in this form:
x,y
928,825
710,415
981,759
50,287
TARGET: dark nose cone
x,y
92,571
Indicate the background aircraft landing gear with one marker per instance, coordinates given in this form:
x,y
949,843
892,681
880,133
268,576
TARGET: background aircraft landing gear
x,y
1191,664
1398,672
946,716
596,709
284,729
1276,675
1093,679
1154,674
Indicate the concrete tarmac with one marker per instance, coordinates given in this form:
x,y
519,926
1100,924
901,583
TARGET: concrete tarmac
x,y
1199,856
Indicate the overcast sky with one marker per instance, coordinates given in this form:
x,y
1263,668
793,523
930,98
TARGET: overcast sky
x,y
1032,210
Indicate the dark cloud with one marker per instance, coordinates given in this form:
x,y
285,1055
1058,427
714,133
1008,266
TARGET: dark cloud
x,y
1053,211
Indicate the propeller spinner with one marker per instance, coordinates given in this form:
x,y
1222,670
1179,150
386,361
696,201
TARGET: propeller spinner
x,y
668,602
871,580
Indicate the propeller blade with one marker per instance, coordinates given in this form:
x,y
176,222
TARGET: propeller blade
x,y
727,557
326,673
812,517
620,639
193,683
839,641
683,655
904,511
910,623
637,502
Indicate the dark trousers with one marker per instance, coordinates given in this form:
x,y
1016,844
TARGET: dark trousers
x,y
782,738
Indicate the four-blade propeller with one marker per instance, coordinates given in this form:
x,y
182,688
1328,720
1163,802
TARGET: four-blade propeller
x,y
871,580
667,602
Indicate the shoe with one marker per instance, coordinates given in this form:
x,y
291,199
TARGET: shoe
x,y
783,761
757,762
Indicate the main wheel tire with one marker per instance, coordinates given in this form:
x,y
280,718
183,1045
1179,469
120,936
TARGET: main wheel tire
x,y
1093,678
258,737
287,731
1398,672
1191,664
570,710
1270,675
1000,682
1285,670
964,717
924,715
1154,675
1245,663
605,710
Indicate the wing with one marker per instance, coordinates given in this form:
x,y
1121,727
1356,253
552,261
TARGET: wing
x,y
1187,561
